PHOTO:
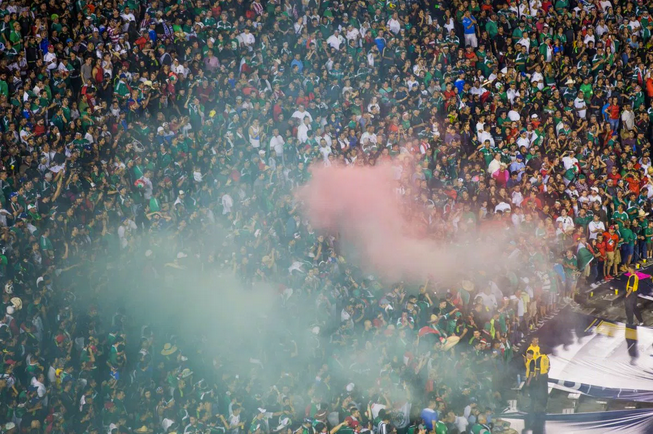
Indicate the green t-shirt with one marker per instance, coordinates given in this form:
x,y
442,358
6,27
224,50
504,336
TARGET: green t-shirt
x,y
620,216
583,221
648,233
628,236
570,265
477,428
491,28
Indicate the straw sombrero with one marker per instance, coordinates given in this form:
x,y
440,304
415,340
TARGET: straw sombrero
x,y
168,349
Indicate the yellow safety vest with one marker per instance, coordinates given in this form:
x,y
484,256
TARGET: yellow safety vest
x,y
536,352
537,365
633,283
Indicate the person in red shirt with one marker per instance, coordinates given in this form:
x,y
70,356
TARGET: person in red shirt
x,y
613,112
614,174
611,252
601,249
633,183
470,55
449,94
487,7
532,198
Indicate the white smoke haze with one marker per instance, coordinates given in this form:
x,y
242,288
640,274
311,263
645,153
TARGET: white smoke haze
x,y
254,331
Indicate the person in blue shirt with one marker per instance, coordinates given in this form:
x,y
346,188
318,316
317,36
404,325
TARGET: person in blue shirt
x,y
469,29
460,83
430,415
518,166
297,61
380,42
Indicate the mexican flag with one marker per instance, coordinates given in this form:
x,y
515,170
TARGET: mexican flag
x,y
584,257
401,416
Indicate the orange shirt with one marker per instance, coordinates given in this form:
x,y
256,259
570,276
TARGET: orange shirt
x,y
610,241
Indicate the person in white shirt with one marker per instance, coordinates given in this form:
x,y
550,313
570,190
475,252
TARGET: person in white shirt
x,y
537,79
478,89
571,191
247,39
373,105
277,142
488,298
495,164
38,383
635,26
325,150
25,133
301,113
412,83
393,24
335,40
628,117
369,136
580,105
449,24
50,58
514,115
525,41
512,93
302,130
352,33
227,203
502,207
124,231
567,222
234,424
461,423
517,197
483,135
517,217
569,161
601,28
89,135
128,18
327,138
595,227
536,5
594,196
178,68
523,140
532,135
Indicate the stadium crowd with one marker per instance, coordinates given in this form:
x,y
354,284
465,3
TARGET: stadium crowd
x,y
134,133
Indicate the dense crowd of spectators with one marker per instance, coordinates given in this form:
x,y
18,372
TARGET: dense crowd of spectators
x,y
134,133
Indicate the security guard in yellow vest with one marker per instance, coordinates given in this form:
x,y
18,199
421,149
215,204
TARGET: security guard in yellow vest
x,y
536,366
535,347
630,301
537,379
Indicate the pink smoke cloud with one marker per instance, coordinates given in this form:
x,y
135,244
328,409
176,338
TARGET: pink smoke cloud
x,y
361,204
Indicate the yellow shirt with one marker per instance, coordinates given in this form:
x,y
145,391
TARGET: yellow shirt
x,y
542,364
537,366
536,352
632,284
